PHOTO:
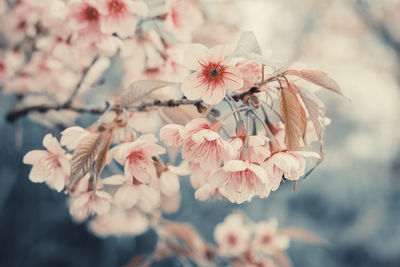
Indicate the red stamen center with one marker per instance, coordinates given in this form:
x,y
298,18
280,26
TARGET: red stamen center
x,y
232,239
91,13
115,6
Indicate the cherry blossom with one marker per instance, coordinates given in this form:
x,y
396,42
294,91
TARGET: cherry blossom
x,y
250,72
183,16
232,236
170,134
119,16
267,239
52,166
136,157
203,145
130,194
290,164
212,75
120,222
240,180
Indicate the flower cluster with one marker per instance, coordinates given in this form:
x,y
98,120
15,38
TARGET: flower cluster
x,y
250,244
239,127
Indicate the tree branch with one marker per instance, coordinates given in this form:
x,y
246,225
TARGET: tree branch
x,y
78,86
16,114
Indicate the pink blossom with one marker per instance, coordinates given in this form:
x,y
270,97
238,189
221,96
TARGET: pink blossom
x,y
84,204
203,145
183,16
267,239
120,222
232,236
250,72
212,75
119,16
85,19
133,193
51,166
240,180
290,164
170,134
84,201
19,22
137,159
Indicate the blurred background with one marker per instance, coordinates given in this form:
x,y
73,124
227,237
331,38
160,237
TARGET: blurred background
x,y
352,200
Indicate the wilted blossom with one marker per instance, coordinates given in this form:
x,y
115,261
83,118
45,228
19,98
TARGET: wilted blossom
x,y
51,166
212,75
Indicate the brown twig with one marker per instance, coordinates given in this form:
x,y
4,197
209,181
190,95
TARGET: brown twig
x,y
79,84
16,114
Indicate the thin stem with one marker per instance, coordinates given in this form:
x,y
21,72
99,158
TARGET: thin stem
x,y
226,99
79,84
270,135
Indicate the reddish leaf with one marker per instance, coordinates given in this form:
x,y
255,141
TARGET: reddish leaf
x,y
85,154
293,115
317,77
101,159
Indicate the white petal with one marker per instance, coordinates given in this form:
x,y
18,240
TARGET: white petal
x,y
169,183
192,88
127,196
194,54
33,156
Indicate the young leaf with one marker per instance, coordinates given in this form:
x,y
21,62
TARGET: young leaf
x,y
317,77
293,116
139,91
101,159
85,154
315,108
316,111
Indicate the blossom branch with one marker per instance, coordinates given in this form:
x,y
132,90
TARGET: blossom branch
x,y
16,114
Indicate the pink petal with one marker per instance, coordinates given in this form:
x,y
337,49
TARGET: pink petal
x,y
233,79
